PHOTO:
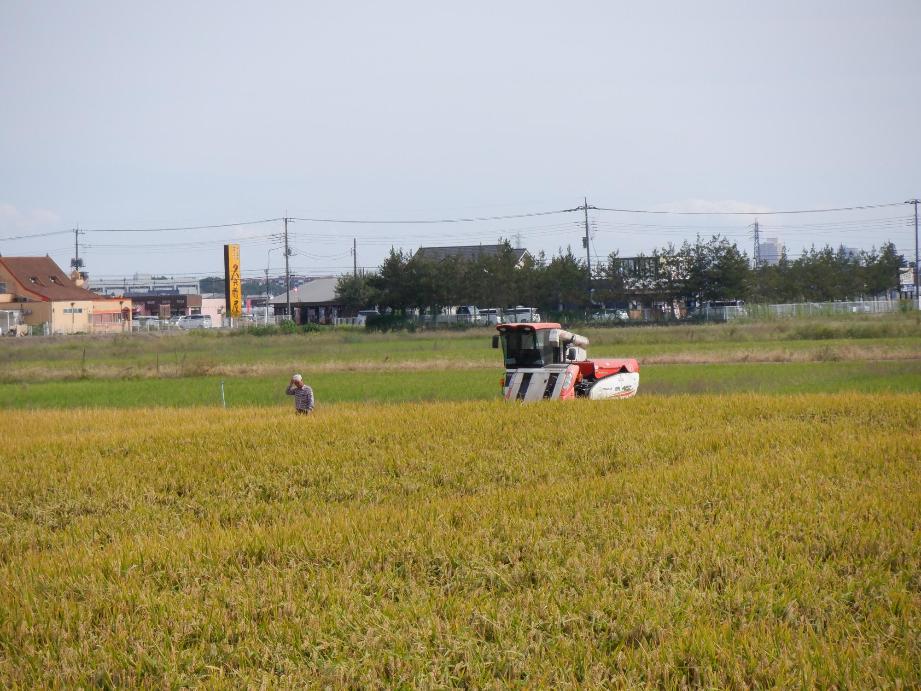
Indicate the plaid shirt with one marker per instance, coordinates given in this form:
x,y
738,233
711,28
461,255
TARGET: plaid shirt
x,y
303,397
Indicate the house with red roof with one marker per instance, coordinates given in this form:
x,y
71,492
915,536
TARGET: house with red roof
x,y
41,295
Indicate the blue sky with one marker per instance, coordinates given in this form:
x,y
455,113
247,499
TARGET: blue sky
x,y
174,114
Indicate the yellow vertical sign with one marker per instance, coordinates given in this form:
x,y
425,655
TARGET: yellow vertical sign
x,y
233,289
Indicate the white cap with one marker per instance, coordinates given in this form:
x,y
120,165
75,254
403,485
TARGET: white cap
x,y
297,377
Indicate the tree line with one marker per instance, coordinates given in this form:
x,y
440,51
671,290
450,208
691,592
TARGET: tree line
x,y
692,273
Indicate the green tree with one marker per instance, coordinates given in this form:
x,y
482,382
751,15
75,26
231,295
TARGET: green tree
x,y
434,284
671,273
730,272
564,283
496,277
882,269
609,282
356,292
392,283
211,284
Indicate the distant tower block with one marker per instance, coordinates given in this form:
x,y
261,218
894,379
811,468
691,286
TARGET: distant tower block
x,y
769,251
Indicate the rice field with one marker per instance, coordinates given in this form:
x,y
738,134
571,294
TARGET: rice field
x,y
403,385
732,540
213,353
751,519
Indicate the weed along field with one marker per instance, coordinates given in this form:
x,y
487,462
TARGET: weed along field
x,y
751,518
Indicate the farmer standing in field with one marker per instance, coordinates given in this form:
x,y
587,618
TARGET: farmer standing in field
x,y
303,395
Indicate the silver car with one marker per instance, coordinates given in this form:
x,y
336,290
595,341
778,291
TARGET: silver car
x,y
194,321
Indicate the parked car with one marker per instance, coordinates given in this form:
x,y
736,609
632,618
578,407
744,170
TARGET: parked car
x,y
611,316
468,314
144,322
491,315
520,315
194,321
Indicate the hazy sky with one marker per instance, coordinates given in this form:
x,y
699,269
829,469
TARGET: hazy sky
x,y
126,114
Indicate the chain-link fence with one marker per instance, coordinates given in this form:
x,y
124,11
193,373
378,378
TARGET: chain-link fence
x,y
801,310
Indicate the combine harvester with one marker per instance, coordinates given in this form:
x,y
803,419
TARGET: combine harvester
x,y
543,360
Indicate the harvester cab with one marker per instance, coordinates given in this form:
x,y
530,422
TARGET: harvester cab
x,y
545,361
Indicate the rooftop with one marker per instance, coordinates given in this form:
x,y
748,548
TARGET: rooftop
x,y
317,291
42,278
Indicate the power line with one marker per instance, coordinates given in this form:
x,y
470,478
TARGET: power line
x,y
35,235
869,222
190,244
176,228
879,220
471,219
748,213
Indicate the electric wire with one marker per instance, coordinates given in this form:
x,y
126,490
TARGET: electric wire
x,y
178,228
35,235
470,219
874,227
860,207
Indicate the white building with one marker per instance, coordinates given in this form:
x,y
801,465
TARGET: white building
x,y
144,283
770,251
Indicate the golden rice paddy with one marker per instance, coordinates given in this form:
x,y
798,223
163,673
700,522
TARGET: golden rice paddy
x,y
686,541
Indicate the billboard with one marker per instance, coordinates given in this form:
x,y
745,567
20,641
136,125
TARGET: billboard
x,y
233,290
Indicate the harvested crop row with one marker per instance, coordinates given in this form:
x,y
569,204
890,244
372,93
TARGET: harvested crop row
x,y
688,355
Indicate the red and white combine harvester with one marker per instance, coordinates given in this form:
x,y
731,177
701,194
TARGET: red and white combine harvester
x,y
543,360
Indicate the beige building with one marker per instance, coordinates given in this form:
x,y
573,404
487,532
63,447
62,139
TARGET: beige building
x,y
40,295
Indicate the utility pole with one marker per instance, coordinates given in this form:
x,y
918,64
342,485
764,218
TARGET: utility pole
x,y
756,257
287,272
266,296
588,250
915,202
354,257
76,263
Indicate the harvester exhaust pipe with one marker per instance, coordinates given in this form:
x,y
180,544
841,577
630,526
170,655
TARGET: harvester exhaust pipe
x,y
569,337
